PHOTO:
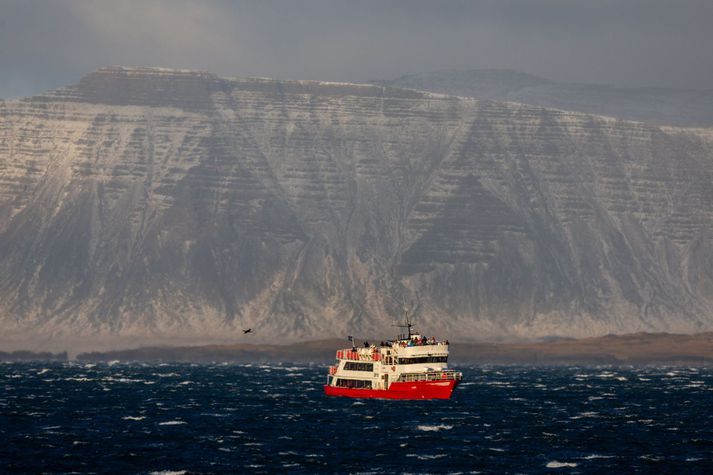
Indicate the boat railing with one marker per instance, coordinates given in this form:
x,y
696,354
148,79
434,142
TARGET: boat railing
x,y
370,355
431,376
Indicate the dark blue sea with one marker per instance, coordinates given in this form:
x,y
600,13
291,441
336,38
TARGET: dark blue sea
x,y
180,418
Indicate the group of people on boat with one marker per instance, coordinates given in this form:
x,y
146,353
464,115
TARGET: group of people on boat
x,y
416,341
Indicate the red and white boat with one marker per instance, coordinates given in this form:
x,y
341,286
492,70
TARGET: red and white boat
x,y
410,367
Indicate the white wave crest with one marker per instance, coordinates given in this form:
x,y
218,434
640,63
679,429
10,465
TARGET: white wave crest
x,y
427,428
556,464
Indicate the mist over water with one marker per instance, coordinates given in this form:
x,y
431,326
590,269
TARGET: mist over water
x,y
264,419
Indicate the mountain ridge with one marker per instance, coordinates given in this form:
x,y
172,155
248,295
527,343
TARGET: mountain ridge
x,y
148,202
656,105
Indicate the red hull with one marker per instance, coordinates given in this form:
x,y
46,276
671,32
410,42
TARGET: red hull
x,y
400,390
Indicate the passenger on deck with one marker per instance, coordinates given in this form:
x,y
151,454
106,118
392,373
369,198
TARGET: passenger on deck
x,y
366,344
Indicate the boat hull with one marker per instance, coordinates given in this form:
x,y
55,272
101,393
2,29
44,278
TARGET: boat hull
x,y
399,390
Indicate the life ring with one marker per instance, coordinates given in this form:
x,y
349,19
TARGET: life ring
x,y
393,368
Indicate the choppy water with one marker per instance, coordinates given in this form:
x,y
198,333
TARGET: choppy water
x,y
260,419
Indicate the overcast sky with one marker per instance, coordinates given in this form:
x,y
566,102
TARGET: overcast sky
x,y
46,44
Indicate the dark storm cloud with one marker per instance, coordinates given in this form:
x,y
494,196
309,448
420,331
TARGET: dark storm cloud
x,y
625,42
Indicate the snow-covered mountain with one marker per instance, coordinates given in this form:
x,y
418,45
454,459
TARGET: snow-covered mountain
x,y
158,203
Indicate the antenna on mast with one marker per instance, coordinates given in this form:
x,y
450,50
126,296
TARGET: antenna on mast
x,y
408,325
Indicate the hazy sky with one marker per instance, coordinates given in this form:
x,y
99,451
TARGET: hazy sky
x,y
45,44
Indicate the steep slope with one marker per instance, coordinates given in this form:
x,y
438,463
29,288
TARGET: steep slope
x,y
662,106
176,204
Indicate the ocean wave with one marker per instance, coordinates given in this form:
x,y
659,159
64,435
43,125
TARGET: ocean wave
x,y
293,368
427,457
114,379
434,428
172,423
585,415
556,464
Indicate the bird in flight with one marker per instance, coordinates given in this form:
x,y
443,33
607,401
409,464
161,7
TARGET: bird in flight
x,y
249,330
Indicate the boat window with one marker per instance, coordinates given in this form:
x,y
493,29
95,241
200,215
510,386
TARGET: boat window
x,y
423,359
352,366
353,383
431,376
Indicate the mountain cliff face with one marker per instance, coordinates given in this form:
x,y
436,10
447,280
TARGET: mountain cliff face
x,y
662,106
149,202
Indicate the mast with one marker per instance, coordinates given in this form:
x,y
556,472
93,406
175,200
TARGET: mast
x,y
408,325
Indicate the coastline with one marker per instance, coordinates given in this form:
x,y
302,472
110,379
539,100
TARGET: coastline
x,y
628,349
